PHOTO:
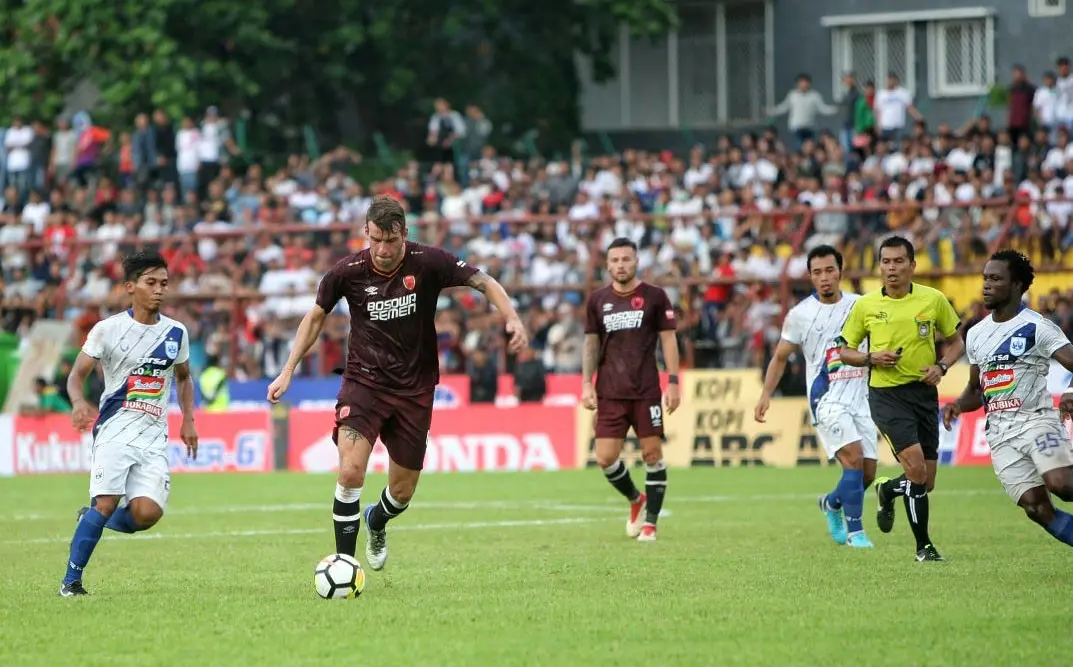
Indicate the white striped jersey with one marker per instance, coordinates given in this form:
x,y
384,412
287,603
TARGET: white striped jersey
x,y
815,327
139,365
1014,360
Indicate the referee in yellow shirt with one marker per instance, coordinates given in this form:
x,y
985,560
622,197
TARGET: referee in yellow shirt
x,y
900,322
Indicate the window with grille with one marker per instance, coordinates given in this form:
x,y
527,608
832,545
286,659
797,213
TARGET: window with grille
x,y
1043,8
873,52
961,57
724,62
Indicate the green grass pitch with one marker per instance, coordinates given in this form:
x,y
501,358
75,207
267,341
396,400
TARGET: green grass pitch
x,y
535,569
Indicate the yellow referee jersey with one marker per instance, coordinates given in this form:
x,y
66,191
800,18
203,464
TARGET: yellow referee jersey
x,y
908,323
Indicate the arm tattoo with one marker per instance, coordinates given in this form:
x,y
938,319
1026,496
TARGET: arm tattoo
x,y
591,356
479,282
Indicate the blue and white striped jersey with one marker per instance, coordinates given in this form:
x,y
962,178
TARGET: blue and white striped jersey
x,y
139,365
815,327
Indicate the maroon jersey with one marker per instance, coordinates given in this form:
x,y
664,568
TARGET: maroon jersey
x,y
628,326
392,317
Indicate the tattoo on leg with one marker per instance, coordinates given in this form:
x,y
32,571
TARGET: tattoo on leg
x,y
350,436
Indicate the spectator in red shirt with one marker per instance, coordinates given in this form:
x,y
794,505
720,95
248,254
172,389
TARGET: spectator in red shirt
x,y
1022,94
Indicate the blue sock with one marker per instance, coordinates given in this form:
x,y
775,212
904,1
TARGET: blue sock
x,y
850,491
87,534
122,521
1062,527
831,501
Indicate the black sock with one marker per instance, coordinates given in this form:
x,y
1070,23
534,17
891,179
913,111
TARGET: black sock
x,y
388,508
916,508
619,475
655,489
346,515
893,488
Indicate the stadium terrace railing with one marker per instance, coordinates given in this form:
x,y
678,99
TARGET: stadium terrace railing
x,y
789,227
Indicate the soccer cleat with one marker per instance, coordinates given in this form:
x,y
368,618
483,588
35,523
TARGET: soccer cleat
x,y
73,589
859,540
885,513
375,543
637,510
648,533
929,553
836,525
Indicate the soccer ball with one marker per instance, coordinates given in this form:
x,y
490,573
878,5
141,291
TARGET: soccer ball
x,y
338,577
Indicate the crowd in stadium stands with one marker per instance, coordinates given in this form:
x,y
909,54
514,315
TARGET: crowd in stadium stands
x,y
729,210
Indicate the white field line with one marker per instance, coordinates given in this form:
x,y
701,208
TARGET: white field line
x,y
611,506
319,531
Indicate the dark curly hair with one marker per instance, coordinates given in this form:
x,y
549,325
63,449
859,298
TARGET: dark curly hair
x,y
142,262
1021,270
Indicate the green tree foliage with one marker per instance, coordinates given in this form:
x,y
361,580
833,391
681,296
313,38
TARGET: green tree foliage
x,y
355,66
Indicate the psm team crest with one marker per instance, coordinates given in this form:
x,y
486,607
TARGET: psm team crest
x,y
637,302
409,282
1018,345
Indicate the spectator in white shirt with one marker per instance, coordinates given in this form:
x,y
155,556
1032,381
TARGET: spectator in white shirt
x,y
892,105
699,171
17,142
584,208
212,140
36,212
1058,156
1064,110
1045,104
63,151
187,162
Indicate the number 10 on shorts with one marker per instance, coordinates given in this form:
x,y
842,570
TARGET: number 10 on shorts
x,y
655,413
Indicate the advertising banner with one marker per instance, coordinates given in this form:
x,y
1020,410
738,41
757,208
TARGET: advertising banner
x,y
476,438
714,426
453,391
228,442
7,441
320,392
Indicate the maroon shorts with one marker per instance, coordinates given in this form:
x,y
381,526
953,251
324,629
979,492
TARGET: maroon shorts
x,y
401,422
614,417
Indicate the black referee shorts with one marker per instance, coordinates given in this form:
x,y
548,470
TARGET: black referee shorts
x,y
907,415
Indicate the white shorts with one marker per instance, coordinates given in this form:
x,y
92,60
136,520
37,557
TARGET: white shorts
x,y
838,426
124,470
1021,461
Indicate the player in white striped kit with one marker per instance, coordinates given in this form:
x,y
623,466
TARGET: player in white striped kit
x,y
141,351
1010,352
837,393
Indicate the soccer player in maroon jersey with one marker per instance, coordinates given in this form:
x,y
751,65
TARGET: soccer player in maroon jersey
x,y
392,367
623,323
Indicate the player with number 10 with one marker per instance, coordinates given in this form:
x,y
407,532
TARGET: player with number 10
x,y
623,323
